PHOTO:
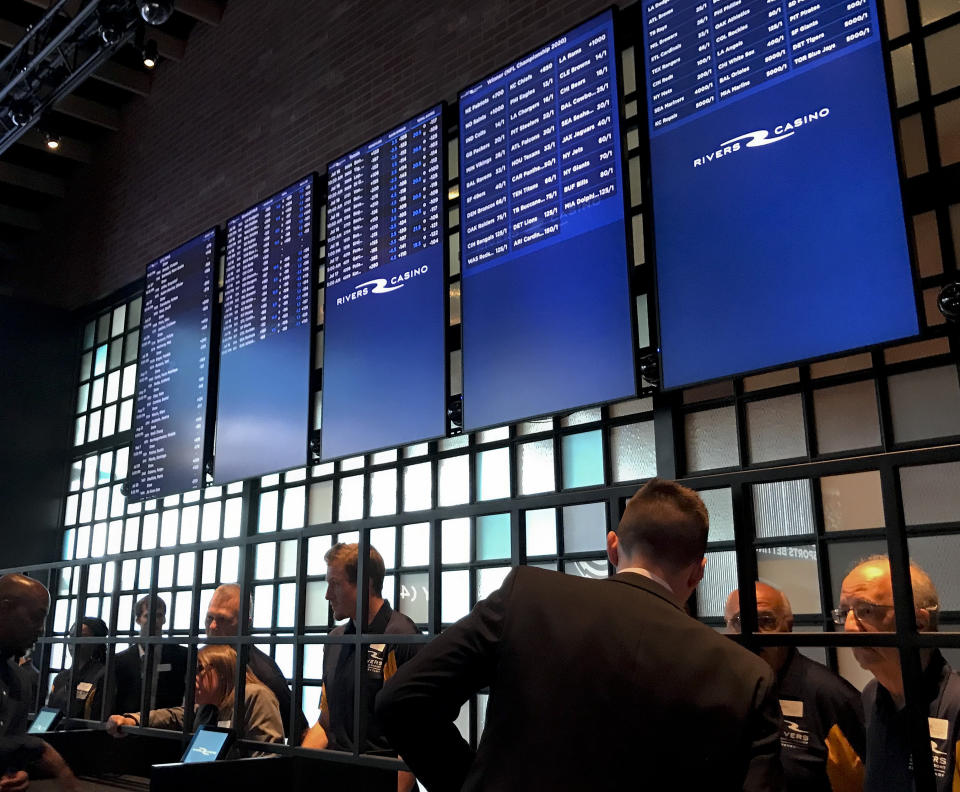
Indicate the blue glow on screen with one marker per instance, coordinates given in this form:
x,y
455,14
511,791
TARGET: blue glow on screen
x,y
172,380
779,227
546,301
205,746
43,721
264,390
384,360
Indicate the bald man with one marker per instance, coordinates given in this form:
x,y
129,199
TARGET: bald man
x,y
223,621
822,736
24,603
866,605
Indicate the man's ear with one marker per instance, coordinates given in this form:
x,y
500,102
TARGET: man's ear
x,y
923,619
613,548
696,573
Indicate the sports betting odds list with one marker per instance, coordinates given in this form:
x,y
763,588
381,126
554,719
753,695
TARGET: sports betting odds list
x,y
701,53
780,232
263,398
542,234
171,401
540,145
385,296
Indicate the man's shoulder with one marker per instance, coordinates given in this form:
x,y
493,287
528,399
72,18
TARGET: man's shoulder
x,y
265,665
825,682
827,690
949,701
401,624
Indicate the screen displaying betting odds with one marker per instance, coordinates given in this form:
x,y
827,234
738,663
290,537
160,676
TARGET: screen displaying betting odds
x,y
385,297
169,424
546,302
264,396
779,227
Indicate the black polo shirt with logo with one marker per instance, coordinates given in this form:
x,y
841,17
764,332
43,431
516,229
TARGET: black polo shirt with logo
x,y
379,664
822,739
889,763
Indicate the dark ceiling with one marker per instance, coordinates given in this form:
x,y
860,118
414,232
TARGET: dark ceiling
x,y
32,176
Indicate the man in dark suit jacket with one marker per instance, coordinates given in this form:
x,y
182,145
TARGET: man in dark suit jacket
x,y
594,685
170,666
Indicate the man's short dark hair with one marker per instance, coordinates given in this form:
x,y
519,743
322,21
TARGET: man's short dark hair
x,y
348,555
143,604
665,522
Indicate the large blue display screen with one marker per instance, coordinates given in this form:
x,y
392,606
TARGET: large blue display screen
x,y
779,229
546,302
171,405
264,395
385,297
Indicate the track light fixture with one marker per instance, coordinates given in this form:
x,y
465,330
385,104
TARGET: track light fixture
x,y
21,111
150,54
948,302
155,12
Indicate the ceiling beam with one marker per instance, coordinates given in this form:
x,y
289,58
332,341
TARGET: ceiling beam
x,y
20,218
92,112
132,80
70,9
32,180
70,148
207,11
170,47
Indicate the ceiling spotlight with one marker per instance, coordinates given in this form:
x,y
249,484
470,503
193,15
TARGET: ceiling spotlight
x,y
948,301
155,12
111,32
150,54
52,141
21,112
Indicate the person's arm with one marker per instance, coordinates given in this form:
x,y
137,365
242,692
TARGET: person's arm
x,y
51,764
316,736
262,716
764,771
419,704
169,718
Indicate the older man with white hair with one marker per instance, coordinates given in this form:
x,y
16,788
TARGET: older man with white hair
x,y
866,605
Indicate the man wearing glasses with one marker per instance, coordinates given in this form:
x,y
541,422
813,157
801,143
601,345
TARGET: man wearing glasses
x,y
866,605
821,736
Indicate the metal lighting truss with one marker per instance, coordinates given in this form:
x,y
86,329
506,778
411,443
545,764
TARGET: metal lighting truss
x,y
57,54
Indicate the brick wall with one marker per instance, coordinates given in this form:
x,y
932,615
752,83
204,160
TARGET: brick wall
x,y
280,88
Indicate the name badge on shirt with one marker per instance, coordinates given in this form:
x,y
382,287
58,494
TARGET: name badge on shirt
x,y
83,690
164,667
938,728
791,709
225,724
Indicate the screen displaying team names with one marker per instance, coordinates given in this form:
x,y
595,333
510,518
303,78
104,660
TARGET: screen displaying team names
x,y
779,228
264,394
385,298
171,404
546,302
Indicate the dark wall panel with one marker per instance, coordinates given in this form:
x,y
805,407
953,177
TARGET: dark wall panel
x,y
37,358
